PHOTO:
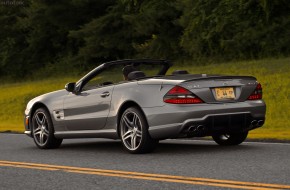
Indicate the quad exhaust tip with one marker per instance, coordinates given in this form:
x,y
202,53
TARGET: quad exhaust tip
x,y
196,129
192,128
260,122
256,123
200,128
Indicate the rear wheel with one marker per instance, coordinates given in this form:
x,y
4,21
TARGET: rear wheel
x,y
42,130
230,139
134,132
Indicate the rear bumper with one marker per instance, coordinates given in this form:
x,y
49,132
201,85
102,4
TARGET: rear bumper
x,y
173,121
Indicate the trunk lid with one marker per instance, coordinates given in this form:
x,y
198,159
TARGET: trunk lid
x,y
221,89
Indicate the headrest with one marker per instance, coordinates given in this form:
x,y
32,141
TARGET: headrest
x,y
135,75
180,72
128,69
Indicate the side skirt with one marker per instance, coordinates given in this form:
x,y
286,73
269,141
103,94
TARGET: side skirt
x,y
108,133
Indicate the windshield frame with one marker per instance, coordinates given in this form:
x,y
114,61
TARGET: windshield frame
x,y
134,62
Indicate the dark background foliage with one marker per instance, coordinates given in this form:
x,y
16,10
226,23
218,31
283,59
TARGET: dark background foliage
x,y
79,33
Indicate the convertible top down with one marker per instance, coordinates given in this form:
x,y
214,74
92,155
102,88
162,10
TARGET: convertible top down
x,y
138,102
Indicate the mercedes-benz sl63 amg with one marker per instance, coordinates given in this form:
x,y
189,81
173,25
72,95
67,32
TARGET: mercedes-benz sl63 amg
x,y
138,102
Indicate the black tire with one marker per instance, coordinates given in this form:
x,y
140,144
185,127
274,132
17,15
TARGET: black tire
x,y
43,131
230,139
134,132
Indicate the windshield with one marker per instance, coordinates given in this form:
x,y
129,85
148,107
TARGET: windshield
x,y
113,72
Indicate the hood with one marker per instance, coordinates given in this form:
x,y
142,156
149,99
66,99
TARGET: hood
x,y
47,98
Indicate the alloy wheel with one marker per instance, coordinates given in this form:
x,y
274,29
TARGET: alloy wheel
x,y
131,130
40,128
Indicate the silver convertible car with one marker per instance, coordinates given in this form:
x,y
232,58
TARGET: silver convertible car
x,y
138,102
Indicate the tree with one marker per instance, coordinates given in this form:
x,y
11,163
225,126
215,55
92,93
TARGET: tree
x,y
49,23
235,29
12,41
131,29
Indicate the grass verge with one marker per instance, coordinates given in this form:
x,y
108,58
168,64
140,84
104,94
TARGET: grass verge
x,y
273,74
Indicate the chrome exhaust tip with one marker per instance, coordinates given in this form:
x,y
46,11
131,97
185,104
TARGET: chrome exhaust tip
x,y
200,128
196,131
260,122
192,129
254,122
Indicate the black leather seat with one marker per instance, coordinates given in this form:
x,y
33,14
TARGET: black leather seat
x,y
136,75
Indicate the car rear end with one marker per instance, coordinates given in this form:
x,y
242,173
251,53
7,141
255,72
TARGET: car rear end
x,y
208,105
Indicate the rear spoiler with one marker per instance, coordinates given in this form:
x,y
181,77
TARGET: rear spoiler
x,y
217,77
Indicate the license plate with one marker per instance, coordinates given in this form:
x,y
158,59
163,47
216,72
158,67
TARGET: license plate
x,y
225,93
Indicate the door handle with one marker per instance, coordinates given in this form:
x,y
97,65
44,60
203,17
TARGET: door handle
x,y
105,94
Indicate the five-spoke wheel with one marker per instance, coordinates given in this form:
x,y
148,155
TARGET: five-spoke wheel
x,y
42,130
134,132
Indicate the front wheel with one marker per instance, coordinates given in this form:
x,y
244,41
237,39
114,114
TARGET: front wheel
x,y
134,132
42,130
230,139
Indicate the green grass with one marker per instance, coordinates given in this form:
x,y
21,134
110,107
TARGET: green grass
x,y
15,96
273,74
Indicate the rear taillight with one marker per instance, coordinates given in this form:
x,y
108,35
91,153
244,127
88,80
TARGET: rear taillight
x,y
180,95
257,94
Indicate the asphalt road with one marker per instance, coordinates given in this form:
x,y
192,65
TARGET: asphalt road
x,y
103,164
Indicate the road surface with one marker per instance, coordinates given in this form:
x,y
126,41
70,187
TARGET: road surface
x,y
175,164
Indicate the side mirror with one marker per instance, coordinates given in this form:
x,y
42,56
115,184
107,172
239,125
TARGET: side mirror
x,y
70,87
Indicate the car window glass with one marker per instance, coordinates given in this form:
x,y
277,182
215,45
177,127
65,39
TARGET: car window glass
x,y
109,76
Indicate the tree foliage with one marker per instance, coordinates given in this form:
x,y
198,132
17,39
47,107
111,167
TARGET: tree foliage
x,y
12,40
40,33
236,29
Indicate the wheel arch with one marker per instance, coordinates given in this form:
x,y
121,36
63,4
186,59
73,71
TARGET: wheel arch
x,y
36,106
125,106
